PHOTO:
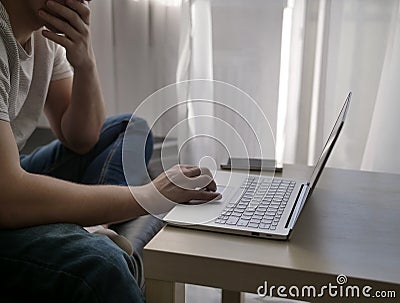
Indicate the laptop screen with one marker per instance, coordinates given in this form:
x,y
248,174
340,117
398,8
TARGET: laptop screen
x,y
329,144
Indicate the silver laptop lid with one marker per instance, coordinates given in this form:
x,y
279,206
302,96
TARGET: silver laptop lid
x,y
329,144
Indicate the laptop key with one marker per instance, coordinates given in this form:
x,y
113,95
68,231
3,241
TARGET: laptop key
x,y
232,220
266,221
255,225
245,218
242,222
264,226
267,218
241,211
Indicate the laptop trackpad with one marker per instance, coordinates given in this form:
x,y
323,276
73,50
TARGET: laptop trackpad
x,y
197,212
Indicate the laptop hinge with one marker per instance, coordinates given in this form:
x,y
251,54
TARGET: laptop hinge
x,y
298,205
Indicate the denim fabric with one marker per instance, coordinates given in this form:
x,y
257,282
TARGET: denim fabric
x,y
102,165
63,262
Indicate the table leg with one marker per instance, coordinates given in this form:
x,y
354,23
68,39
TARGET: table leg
x,y
229,296
158,291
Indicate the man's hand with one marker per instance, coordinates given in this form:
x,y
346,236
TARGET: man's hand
x,y
183,183
72,20
180,184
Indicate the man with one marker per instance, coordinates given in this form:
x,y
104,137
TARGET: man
x,y
45,254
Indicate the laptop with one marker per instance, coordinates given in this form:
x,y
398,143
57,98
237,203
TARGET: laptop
x,y
256,205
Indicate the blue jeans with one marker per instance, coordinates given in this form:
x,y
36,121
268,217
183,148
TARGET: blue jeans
x,y
63,262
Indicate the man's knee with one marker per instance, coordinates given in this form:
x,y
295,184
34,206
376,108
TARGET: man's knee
x,y
126,118
139,126
118,118
131,124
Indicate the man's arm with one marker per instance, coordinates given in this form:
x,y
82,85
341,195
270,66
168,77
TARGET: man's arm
x,y
75,107
29,199
65,116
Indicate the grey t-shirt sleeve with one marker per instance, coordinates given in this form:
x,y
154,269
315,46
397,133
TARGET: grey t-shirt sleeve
x,y
61,69
4,84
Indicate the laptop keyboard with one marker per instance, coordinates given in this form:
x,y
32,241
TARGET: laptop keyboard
x,y
261,204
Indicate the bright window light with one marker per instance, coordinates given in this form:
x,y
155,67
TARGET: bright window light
x,y
170,2
284,81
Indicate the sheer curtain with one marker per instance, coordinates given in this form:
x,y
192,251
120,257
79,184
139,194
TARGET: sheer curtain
x,y
159,42
220,41
297,58
349,45
136,44
383,147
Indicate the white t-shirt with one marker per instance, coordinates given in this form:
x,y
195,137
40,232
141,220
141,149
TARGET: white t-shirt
x,y
25,75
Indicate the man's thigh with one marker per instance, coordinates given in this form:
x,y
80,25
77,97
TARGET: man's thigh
x,y
64,263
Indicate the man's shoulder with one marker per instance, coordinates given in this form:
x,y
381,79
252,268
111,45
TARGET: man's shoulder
x,y
8,45
7,53
3,48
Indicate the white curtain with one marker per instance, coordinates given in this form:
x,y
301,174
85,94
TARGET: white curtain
x,y
383,146
159,42
297,58
219,41
136,44
247,38
350,45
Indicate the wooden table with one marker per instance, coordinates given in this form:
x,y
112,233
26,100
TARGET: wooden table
x,y
350,226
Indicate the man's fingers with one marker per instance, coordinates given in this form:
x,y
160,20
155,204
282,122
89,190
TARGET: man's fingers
x,y
59,24
68,14
190,171
193,177
81,8
62,40
212,186
206,171
202,181
193,171
205,195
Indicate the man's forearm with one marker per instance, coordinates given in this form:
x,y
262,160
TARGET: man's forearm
x,y
46,200
84,117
